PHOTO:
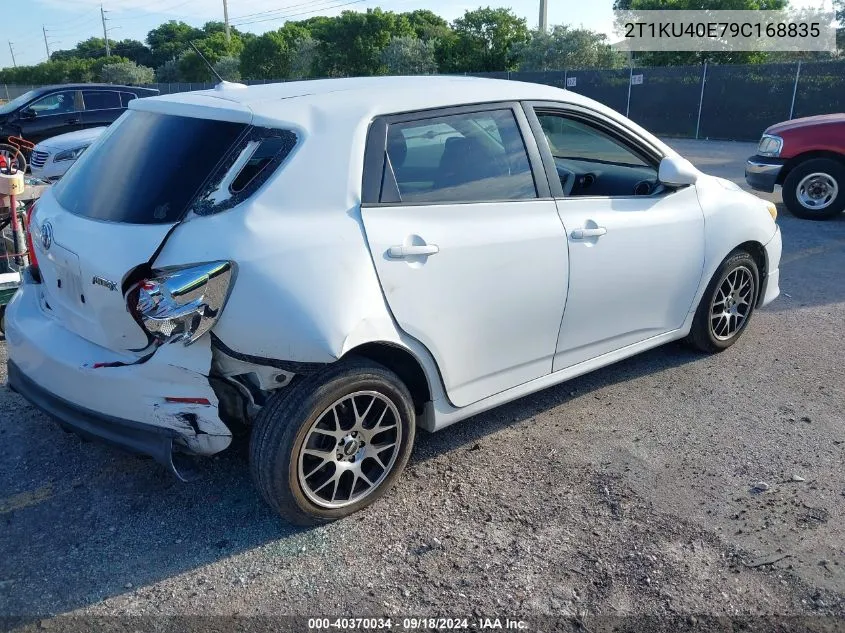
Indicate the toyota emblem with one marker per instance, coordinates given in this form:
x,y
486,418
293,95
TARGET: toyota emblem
x,y
46,235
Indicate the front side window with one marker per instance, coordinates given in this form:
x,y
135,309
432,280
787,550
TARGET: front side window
x,y
55,103
592,162
473,157
101,99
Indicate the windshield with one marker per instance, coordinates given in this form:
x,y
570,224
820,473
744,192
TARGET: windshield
x,y
146,168
17,102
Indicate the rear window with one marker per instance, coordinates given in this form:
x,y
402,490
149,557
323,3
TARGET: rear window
x,y
147,168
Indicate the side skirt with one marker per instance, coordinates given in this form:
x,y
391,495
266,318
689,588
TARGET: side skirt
x,y
439,414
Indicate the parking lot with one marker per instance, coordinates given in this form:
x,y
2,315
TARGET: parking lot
x,y
668,484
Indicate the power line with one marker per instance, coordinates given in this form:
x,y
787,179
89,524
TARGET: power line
x,y
293,15
83,17
283,9
147,13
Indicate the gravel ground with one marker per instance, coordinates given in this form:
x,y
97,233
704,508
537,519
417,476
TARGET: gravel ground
x,y
630,491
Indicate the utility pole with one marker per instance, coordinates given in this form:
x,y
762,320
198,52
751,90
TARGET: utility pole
x,y
12,51
226,20
105,31
46,46
544,16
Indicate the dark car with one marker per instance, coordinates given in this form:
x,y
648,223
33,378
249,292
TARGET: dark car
x,y
807,158
53,110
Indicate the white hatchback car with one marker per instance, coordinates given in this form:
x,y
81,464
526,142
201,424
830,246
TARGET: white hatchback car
x,y
328,265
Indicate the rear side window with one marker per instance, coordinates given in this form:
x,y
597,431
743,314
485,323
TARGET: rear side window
x,y
101,99
125,98
147,168
473,157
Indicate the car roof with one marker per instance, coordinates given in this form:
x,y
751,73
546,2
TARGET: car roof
x,y
460,88
50,88
301,104
376,95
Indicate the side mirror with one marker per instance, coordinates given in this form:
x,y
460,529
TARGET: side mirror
x,y
26,113
677,172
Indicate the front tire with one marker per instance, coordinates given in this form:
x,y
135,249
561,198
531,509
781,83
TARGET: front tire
x,y
334,444
815,189
727,304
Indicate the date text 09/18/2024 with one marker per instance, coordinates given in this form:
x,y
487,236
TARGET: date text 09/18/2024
x,y
416,624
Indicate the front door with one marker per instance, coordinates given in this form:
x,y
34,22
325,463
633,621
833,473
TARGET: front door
x,y
636,248
472,261
51,115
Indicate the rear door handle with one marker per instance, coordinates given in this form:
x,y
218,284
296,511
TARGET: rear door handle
x,y
582,234
73,120
403,252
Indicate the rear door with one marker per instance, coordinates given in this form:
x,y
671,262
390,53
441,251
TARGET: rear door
x,y
467,243
101,107
113,209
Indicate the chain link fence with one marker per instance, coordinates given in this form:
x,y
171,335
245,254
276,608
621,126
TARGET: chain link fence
x,y
730,102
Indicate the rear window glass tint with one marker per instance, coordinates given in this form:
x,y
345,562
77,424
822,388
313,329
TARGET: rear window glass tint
x,y
100,99
147,168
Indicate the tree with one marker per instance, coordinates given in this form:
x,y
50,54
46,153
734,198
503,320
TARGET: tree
x,y
304,58
213,47
170,40
133,50
484,40
168,72
272,55
229,68
351,44
91,48
428,25
410,56
567,48
128,73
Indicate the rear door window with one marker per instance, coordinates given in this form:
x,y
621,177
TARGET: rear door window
x,y
472,157
147,168
101,99
125,98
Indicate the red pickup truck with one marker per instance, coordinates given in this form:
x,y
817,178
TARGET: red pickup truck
x,y
807,158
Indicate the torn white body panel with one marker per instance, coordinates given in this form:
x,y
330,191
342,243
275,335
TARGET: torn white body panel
x,y
69,366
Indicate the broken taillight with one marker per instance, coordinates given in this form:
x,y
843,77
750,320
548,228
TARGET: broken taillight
x,y
181,303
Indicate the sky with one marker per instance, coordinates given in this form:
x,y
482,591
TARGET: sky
x,y
70,21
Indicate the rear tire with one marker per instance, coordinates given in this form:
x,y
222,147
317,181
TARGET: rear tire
x,y
727,304
334,444
815,189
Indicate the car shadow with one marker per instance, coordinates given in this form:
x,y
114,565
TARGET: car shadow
x,y
105,523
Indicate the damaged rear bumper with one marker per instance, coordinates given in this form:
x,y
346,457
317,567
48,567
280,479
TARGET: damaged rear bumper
x,y
144,439
101,394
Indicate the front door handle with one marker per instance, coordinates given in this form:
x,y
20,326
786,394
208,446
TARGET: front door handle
x,y
403,252
582,234
73,121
